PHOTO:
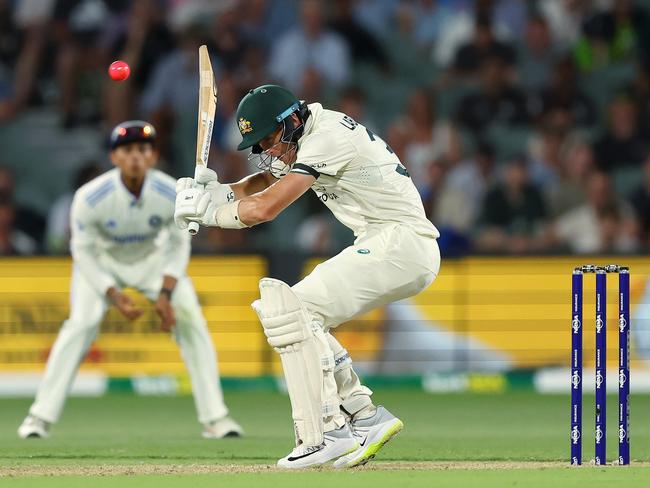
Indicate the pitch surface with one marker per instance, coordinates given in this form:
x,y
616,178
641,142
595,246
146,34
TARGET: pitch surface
x,y
449,440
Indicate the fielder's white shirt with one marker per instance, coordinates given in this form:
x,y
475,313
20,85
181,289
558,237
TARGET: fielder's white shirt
x,y
358,176
109,224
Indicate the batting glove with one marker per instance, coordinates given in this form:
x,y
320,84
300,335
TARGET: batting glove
x,y
207,178
194,205
184,184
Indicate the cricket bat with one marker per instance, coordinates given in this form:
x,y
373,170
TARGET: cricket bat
x,y
207,108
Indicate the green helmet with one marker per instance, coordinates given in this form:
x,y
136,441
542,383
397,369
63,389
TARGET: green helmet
x,y
261,111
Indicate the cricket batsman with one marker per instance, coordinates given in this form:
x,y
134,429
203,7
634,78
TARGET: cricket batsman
x,y
123,235
395,255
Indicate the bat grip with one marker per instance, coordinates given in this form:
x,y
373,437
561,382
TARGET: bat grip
x,y
193,227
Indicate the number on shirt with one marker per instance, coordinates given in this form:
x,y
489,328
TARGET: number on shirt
x,y
349,123
401,169
373,138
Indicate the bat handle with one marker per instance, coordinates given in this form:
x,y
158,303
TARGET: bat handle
x,y
193,227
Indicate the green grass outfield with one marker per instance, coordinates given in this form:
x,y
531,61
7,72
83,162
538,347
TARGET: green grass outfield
x,y
510,439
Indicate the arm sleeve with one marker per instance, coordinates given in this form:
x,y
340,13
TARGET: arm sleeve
x,y
177,251
323,154
83,246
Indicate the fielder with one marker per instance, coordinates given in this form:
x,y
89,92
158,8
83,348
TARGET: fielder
x,y
123,235
395,255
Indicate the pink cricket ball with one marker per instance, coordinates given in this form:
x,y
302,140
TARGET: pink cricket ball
x,y
119,70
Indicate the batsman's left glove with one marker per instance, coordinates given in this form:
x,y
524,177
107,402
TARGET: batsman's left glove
x,y
194,205
207,178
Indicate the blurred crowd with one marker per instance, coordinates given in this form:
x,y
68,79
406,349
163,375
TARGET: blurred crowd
x,y
524,124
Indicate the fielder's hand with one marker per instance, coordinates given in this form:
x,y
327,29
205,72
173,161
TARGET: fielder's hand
x,y
124,304
165,311
194,205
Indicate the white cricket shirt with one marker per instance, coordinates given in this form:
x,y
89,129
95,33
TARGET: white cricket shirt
x,y
107,221
358,176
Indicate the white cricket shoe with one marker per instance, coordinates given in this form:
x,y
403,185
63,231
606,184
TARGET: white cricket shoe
x,y
371,433
33,427
336,443
224,427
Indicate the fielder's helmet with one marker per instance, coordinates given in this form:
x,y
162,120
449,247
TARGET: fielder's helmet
x,y
132,131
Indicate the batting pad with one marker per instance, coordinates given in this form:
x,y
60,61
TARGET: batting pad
x,y
307,359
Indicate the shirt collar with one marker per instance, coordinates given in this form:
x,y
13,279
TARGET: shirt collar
x,y
315,109
133,200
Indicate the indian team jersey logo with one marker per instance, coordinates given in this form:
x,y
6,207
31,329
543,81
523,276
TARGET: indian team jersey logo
x,y
155,221
244,126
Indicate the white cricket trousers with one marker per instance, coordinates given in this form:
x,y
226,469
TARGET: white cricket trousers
x,y
87,310
388,263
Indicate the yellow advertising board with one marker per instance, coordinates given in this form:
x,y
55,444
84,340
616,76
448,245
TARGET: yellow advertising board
x,y
517,306
522,306
34,301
